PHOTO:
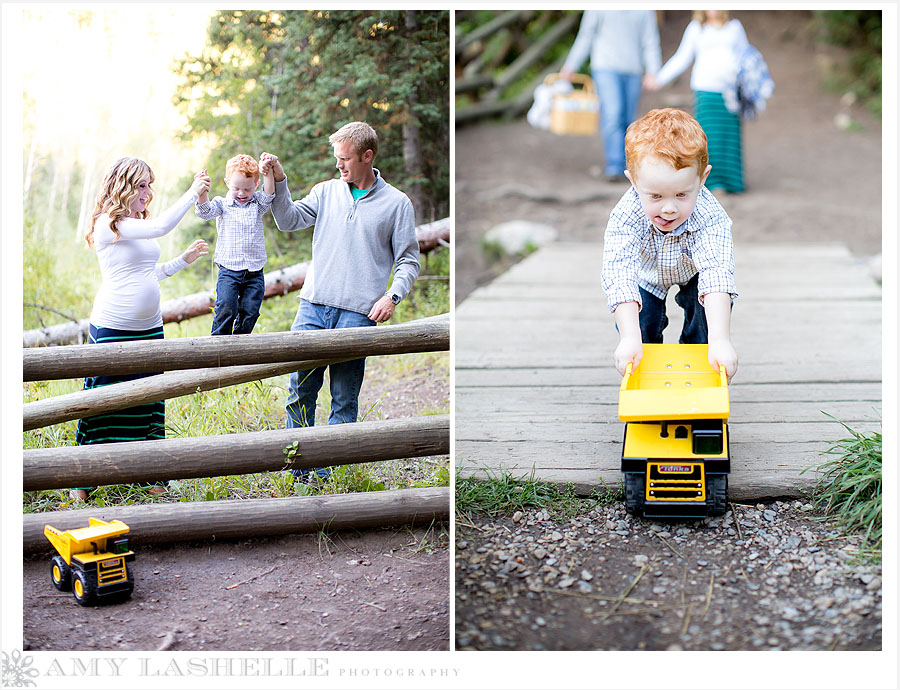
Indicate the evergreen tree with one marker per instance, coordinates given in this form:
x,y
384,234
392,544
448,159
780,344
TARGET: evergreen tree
x,y
284,81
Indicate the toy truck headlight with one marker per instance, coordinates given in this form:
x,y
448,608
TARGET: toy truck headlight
x,y
708,439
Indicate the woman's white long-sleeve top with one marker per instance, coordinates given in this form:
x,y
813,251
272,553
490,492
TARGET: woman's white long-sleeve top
x,y
128,298
715,52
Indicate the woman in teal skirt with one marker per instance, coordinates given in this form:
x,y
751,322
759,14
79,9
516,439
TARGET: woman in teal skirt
x,y
714,43
126,308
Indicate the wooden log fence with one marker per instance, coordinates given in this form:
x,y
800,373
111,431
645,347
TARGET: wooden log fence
x,y
278,283
487,30
238,519
227,454
488,84
118,396
76,361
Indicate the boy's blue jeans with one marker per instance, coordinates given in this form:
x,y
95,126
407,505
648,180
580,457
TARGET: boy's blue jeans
x,y
654,320
619,94
346,377
239,295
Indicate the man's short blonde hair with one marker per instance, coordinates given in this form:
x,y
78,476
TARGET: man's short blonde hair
x,y
361,134
670,134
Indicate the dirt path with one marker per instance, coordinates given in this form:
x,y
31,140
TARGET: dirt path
x,y
382,589
373,590
807,179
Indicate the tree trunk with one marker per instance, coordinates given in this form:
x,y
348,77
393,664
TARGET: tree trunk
x,y
162,523
412,152
434,234
227,454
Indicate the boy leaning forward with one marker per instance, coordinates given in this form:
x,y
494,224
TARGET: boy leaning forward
x,y
669,229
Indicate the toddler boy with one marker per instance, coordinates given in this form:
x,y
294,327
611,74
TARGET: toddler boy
x,y
241,246
669,229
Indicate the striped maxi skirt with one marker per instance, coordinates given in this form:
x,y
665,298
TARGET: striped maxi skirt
x,y
139,423
723,136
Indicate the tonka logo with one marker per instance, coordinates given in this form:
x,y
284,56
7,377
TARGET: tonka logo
x,y
675,468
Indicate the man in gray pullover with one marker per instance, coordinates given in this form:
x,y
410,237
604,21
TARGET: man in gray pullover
x,y
364,228
625,52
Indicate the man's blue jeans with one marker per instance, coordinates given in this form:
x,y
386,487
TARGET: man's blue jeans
x,y
239,295
654,320
619,94
346,377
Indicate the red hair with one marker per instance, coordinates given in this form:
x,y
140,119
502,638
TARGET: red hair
x,y
670,134
244,164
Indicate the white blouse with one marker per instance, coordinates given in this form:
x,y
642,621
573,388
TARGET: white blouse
x,y
715,52
128,298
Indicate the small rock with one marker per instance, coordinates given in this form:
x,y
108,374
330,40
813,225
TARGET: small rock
x,y
516,236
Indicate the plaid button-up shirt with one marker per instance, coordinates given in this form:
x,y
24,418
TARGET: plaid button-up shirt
x,y
242,243
636,253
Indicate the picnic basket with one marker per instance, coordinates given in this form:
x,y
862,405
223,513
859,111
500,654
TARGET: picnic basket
x,y
576,112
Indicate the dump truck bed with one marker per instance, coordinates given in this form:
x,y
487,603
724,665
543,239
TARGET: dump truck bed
x,y
673,382
76,541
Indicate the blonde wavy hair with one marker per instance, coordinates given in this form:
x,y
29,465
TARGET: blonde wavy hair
x,y
118,192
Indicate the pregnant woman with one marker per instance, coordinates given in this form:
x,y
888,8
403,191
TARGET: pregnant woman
x,y
127,305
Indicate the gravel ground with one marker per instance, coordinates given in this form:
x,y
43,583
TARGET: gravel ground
x,y
761,577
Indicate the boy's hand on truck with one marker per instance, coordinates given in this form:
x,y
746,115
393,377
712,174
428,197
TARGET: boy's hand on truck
x,y
628,350
722,353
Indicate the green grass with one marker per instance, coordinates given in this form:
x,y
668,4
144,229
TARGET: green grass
x,y
259,406
503,495
849,488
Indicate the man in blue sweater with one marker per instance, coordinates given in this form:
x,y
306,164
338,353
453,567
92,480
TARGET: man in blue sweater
x,y
363,228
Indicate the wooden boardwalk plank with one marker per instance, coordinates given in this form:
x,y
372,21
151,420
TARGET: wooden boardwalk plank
x,y
536,391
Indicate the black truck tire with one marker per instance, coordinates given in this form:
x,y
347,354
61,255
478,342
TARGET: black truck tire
x,y
717,495
60,574
84,587
634,493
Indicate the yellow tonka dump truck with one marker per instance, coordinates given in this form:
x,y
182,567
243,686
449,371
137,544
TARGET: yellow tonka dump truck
x,y
675,455
94,562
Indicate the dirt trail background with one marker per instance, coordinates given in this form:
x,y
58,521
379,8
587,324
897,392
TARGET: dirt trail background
x,y
807,179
